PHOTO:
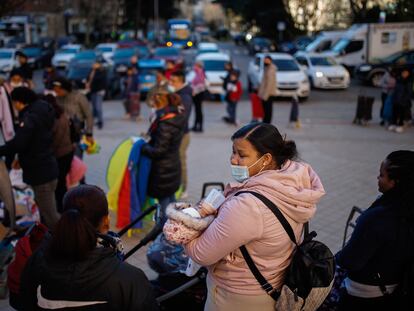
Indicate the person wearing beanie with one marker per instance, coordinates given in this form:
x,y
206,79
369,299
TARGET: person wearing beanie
x,y
33,146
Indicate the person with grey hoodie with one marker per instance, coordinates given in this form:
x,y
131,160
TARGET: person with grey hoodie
x,y
181,88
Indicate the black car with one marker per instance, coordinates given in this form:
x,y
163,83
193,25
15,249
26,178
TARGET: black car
x,y
261,45
372,72
38,56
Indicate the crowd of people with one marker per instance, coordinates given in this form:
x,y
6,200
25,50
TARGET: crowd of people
x,y
76,267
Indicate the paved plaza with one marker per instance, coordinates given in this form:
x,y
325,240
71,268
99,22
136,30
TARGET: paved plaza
x,y
346,156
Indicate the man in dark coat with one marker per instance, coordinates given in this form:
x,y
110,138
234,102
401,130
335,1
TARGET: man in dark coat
x,y
33,145
181,88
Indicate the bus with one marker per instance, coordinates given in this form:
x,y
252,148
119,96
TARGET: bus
x,y
179,33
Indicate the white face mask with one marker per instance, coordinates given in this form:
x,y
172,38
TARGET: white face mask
x,y
240,173
15,85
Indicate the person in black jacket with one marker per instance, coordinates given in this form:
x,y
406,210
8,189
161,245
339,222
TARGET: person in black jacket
x,y
402,101
73,270
166,132
97,85
382,244
33,145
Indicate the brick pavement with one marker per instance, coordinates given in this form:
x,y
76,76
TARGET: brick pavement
x,y
345,156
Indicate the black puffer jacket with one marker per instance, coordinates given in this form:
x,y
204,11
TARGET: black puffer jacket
x,y
163,150
101,282
33,144
186,96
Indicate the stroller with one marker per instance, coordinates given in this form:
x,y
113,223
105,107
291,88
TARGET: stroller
x,y
174,290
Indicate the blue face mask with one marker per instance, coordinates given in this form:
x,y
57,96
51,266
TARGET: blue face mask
x,y
241,173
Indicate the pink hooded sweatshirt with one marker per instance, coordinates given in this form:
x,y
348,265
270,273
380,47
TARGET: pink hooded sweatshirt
x,y
245,220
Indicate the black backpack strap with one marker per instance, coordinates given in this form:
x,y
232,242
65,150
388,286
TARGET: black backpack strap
x,y
259,277
283,221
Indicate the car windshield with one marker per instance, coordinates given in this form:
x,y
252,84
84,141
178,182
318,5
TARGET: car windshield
x,y
340,45
67,51
104,49
85,55
208,51
314,44
5,55
322,61
32,51
166,52
124,54
286,65
214,65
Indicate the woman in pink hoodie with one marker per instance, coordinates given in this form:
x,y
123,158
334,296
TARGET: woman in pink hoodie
x,y
262,161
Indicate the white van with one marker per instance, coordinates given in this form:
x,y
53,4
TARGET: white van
x,y
363,43
324,41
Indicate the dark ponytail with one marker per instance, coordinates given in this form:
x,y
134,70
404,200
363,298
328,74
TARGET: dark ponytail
x,y
75,234
266,138
73,238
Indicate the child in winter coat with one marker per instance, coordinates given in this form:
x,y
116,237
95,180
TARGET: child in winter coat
x,y
233,94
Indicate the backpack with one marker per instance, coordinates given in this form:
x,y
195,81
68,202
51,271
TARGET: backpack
x,y
310,275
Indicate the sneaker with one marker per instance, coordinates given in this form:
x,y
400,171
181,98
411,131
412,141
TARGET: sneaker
x,y
399,129
392,128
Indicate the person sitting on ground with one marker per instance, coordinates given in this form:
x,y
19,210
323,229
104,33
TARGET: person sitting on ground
x,y
72,269
382,244
33,146
263,162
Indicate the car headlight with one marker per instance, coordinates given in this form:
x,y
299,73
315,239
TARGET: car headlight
x,y
319,74
365,68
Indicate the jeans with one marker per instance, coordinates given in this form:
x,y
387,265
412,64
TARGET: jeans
x,y
268,110
97,99
231,110
46,202
164,203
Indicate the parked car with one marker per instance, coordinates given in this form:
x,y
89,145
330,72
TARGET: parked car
x,y
372,72
63,56
107,50
323,72
298,44
166,54
147,69
291,78
259,44
207,47
37,56
7,60
214,69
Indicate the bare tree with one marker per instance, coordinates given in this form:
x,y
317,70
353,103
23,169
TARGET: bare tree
x,y
10,6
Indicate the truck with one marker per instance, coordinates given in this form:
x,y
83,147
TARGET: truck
x,y
365,43
324,41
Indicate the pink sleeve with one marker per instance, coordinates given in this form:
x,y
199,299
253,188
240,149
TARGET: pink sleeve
x,y
239,221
